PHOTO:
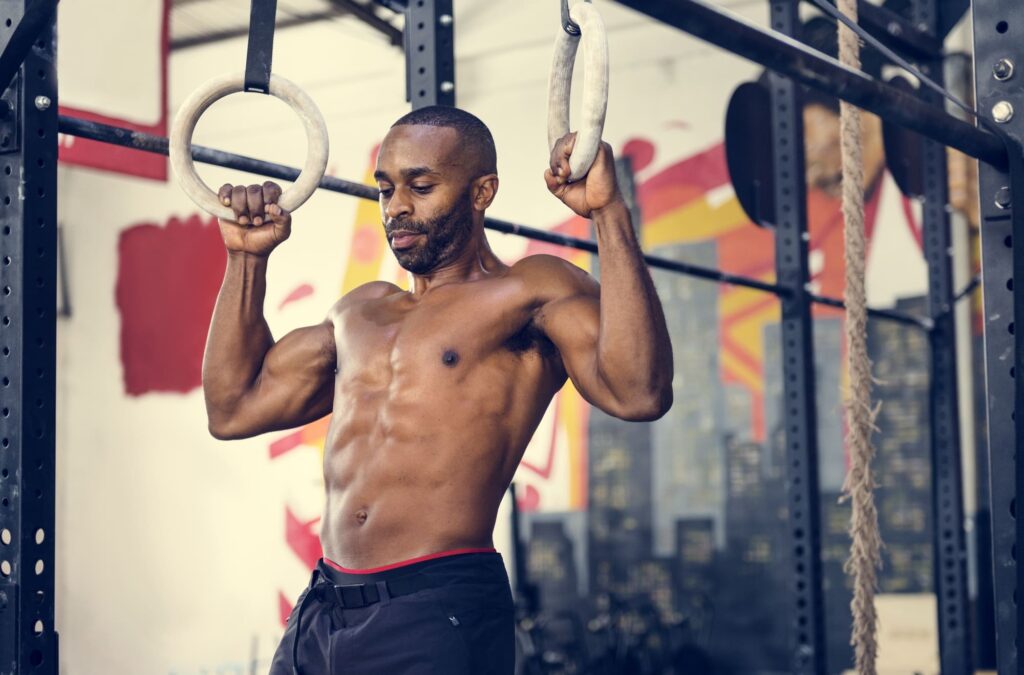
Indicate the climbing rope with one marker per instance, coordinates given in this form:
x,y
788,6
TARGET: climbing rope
x,y
865,549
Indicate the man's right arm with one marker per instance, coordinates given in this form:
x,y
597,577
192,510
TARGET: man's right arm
x,y
252,384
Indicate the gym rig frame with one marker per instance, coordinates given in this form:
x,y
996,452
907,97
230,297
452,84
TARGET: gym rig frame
x,y
29,125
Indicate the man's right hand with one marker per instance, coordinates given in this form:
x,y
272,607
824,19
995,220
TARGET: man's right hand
x,y
260,223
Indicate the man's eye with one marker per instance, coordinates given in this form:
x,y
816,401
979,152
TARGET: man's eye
x,y
386,192
422,189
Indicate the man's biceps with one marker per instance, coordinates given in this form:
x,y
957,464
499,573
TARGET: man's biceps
x,y
573,330
569,313
586,380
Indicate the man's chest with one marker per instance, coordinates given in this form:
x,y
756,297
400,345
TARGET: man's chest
x,y
445,335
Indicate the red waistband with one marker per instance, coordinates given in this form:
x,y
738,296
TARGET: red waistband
x,y
392,566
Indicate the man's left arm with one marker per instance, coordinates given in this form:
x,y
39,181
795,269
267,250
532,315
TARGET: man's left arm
x,y
613,340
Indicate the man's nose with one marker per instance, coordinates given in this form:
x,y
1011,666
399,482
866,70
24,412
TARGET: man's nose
x,y
397,206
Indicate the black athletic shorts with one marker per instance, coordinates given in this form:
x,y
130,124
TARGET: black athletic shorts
x,y
447,615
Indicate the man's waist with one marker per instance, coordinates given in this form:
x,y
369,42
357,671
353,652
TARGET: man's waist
x,y
351,590
340,574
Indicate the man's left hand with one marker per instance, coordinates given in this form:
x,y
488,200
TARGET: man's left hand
x,y
598,188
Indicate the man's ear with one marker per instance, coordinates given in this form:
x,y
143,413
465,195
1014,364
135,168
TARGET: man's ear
x,y
484,190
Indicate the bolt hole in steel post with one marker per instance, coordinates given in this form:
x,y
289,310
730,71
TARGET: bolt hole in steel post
x,y
1003,70
1003,199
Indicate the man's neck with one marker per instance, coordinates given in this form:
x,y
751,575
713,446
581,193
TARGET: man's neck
x,y
476,261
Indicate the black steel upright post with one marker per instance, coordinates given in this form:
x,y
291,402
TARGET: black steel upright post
x,y
949,546
998,60
808,647
28,333
429,53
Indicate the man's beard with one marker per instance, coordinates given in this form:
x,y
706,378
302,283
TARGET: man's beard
x,y
446,235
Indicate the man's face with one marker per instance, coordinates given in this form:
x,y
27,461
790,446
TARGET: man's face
x,y
821,143
824,163
425,201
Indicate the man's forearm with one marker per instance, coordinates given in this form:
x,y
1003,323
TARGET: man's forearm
x,y
239,336
634,351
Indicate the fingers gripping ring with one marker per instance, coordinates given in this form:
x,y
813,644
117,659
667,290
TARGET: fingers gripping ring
x,y
201,99
595,87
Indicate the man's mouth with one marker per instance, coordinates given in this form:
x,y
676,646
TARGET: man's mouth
x,y
402,239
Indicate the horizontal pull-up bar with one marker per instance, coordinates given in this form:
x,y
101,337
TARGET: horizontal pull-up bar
x,y
796,60
136,140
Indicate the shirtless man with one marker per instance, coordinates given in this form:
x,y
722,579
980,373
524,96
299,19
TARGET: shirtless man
x,y
435,393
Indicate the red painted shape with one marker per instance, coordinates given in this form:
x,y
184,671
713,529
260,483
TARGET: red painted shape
x,y
545,471
284,608
912,224
366,245
302,538
84,152
167,283
117,158
640,152
302,291
573,227
705,171
285,443
677,124
530,500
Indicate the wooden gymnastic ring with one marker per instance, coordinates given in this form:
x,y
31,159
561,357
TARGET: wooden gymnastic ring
x,y
595,87
180,142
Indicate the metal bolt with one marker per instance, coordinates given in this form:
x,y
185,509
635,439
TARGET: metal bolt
x,y
1003,199
895,29
1002,112
445,20
1003,70
42,102
447,87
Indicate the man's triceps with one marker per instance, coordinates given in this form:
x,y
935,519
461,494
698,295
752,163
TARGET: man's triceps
x,y
295,385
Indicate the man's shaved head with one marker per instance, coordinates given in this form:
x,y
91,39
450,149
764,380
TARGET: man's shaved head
x,y
476,142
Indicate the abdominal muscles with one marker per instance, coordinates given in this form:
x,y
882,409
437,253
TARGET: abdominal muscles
x,y
420,465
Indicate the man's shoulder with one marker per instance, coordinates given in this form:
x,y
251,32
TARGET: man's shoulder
x,y
554,274
373,290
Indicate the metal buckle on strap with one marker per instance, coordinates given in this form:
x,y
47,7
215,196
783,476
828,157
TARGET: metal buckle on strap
x,y
568,25
356,595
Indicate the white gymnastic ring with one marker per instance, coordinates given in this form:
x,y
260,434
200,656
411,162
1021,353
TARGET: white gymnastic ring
x,y
180,142
595,87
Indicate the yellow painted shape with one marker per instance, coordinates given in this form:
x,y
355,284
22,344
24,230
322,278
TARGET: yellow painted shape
x,y
696,221
367,221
